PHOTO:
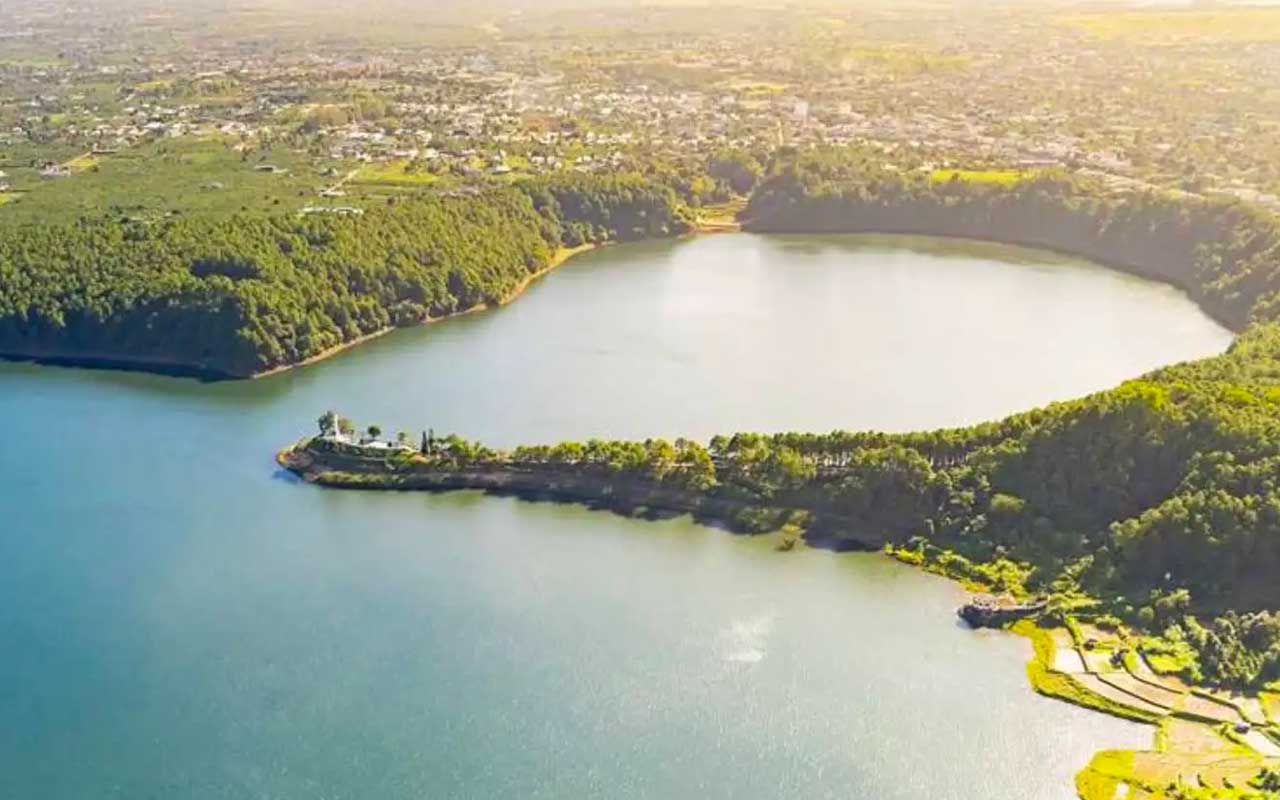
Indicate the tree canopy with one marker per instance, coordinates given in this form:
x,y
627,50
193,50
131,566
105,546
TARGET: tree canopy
x,y
242,295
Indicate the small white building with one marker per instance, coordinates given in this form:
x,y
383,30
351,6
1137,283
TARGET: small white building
x,y
331,431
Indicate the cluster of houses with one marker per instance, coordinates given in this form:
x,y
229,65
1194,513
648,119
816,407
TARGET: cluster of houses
x,y
336,429
990,98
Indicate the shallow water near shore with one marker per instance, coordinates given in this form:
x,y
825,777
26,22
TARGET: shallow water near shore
x,y
180,619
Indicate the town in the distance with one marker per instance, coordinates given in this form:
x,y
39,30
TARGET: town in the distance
x,y
146,112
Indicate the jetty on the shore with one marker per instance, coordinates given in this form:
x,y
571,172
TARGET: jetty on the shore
x,y
991,611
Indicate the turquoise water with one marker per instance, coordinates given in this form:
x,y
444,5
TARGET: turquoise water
x,y
180,619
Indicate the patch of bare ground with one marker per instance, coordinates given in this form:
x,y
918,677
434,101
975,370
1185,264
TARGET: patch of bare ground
x,y
1101,688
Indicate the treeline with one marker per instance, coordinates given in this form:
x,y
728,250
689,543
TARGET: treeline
x,y
1224,254
1157,502
243,295
247,294
683,464
608,208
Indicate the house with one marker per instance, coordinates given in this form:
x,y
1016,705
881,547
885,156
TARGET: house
x,y
345,211
53,171
368,443
331,430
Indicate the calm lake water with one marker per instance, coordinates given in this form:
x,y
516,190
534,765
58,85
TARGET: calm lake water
x,y
178,619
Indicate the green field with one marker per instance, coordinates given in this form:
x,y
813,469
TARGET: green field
x,y
189,176
998,177
1165,27
82,163
391,173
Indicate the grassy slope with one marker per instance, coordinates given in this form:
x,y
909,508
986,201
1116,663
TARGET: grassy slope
x,y
206,177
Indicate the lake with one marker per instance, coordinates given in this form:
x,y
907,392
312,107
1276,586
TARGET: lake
x,y
181,619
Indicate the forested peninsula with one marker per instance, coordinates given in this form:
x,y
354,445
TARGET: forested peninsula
x,y
1155,504
255,292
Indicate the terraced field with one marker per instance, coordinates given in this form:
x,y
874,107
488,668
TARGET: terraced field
x,y
1197,741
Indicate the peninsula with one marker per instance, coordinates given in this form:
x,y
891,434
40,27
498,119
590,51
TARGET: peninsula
x,y
1144,516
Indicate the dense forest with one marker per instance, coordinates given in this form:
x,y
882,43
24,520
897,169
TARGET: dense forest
x,y
246,294
1226,255
241,295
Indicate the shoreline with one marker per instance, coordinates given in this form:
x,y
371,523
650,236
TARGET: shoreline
x,y
179,369
558,259
1074,661
716,227
560,486
1232,325
117,363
